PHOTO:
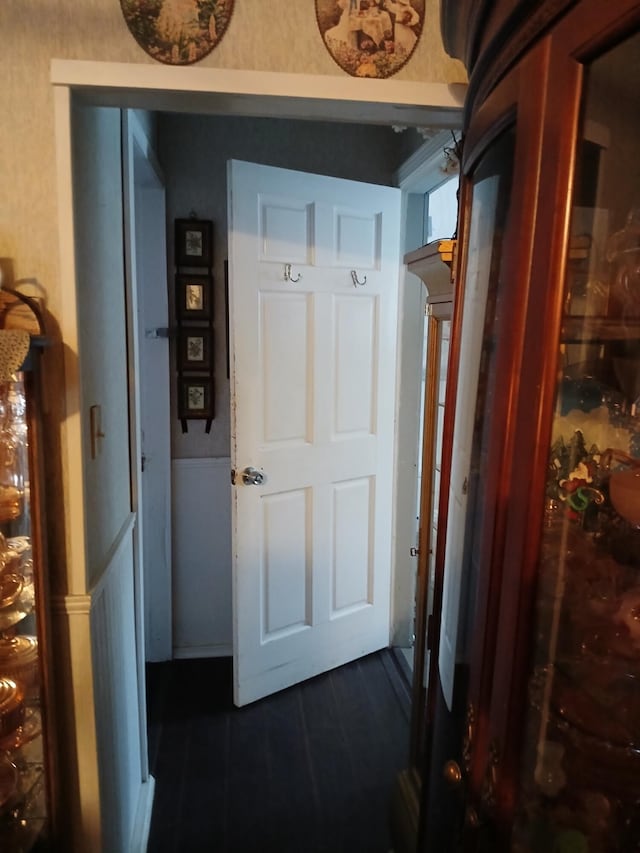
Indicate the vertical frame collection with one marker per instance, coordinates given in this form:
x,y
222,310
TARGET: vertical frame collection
x,y
194,316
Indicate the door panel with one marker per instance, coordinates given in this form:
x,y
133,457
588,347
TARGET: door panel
x,y
352,511
285,582
313,310
287,384
355,348
286,228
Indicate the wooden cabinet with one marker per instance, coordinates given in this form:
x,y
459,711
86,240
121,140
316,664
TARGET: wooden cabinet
x,y
534,733
26,713
432,264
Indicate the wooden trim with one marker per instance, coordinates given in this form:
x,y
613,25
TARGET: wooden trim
x,y
49,699
518,33
525,518
442,498
558,116
503,438
488,56
426,544
542,95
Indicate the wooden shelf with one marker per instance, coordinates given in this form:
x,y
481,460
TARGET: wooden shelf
x,y
432,264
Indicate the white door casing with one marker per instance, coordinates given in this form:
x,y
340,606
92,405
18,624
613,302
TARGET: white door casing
x,y
313,390
151,452
153,319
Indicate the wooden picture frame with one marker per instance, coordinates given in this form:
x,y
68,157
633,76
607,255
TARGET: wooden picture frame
x,y
193,297
193,243
195,397
194,348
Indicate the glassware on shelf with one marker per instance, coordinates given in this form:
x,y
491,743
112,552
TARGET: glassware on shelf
x,y
13,450
12,710
25,784
19,659
581,765
9,781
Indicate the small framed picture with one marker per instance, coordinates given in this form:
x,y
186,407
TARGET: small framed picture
x,y
195,397
194,348
194,243
193,297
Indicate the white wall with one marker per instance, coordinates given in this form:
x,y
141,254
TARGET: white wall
x,y
202,624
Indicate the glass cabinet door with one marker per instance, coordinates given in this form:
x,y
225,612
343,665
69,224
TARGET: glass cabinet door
x,y
24,764
580,769
469,503
437,358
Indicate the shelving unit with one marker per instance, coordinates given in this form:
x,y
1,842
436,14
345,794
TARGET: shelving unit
x,y
534,740
26,712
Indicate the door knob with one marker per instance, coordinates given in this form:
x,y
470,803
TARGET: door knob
x,y
452,774
252,477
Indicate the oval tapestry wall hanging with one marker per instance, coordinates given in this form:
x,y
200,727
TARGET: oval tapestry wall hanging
x,y
177,32
370,38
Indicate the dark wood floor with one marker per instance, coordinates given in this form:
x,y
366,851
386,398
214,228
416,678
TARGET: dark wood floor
x,y
308,770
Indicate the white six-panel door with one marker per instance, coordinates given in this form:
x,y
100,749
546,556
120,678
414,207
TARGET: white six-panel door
x,y
313,365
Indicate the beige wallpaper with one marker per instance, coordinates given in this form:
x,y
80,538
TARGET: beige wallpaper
x,y
275,35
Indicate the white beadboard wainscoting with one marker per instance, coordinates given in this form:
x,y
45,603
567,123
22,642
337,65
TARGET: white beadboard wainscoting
x,y
116,792
202,618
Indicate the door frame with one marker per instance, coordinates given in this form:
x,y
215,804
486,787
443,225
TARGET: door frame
x,y
209,91
131,137
142,169
417,176
205,91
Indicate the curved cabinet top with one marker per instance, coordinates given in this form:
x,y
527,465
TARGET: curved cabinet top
x,y
490,36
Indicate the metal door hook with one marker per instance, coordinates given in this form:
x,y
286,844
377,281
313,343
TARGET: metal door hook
x,y
287,274
354,279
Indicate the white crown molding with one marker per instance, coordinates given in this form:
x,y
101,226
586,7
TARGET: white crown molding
x,y
428,165
242,92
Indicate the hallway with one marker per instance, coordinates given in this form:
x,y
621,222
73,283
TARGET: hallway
x,y
308,770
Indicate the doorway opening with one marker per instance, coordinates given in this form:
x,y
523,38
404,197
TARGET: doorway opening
x,y
126,88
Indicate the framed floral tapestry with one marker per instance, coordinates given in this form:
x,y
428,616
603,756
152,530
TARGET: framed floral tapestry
x,y
370,38
177,32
